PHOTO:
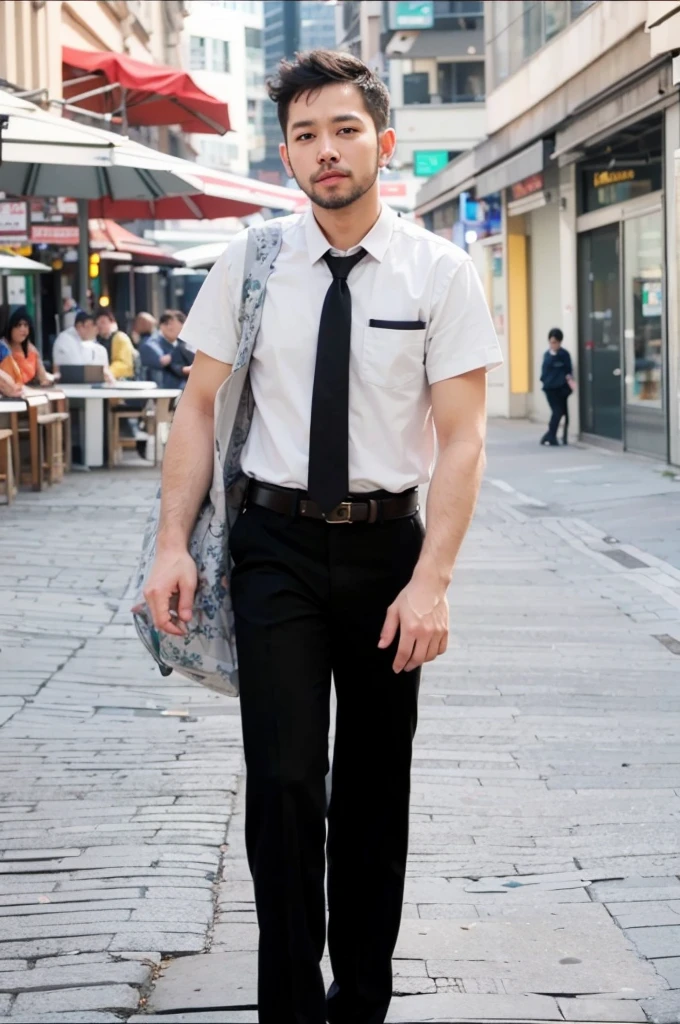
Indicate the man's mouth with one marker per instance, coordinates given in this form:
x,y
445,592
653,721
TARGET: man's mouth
x,y
331,176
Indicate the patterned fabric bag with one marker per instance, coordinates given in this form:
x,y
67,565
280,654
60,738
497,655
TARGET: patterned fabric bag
x,y
207,651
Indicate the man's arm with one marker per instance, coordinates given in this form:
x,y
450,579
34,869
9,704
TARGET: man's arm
x,y
152,355
421,612
187,472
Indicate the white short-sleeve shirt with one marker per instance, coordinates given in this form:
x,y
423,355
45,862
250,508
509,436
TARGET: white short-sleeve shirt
x,y
419,316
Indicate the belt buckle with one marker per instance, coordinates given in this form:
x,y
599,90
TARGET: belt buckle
x,y
342,513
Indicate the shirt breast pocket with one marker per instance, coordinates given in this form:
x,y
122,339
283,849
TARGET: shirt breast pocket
x,y
393,352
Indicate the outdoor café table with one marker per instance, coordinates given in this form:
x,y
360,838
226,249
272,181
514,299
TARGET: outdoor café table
x,y
94,397
11,407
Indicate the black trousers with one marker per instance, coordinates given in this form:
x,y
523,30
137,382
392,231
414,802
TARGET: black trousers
x,y
310,601
558,399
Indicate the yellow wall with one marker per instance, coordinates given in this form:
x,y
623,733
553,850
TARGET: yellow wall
x,y
518,308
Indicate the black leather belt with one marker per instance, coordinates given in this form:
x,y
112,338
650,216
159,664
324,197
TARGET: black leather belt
x,y
370,510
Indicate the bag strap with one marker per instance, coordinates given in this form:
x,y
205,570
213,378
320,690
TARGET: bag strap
x,y
263,244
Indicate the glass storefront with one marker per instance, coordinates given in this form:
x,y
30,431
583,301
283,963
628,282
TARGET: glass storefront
x,y
621,283
622,332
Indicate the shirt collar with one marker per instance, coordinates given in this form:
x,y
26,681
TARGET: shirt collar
x,y
375,243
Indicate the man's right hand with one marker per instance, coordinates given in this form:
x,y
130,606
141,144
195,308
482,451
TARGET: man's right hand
x,y
165,360
170,590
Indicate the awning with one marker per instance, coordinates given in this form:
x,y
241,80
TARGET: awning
x,y
531,160
141,94
111,237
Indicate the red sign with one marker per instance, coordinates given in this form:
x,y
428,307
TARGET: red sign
x,y
55,234
521,189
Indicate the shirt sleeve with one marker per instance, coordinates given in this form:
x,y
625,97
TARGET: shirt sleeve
x,y
212,324
461,334
570,369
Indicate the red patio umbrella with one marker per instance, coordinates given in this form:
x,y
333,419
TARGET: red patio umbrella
x,y
142,94
218,194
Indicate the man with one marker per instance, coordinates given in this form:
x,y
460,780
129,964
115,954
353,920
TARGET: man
x,y
71,310
121,351
167,359
557,377
76,346
372,331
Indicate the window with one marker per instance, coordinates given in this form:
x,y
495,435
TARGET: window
x,y
220,56
253,38
461,82
197,54
519,28
417,88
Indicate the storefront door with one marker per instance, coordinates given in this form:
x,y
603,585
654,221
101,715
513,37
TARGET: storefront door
x,y
600,333
643,332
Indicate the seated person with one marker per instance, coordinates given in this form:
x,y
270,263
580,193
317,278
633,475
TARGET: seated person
x,y
167,361
19,358
144,326
119,347
76,346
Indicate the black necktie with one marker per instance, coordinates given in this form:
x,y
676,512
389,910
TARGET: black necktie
x,y
328,481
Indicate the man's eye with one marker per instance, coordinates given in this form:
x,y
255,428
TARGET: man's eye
x,y
348,130
304,137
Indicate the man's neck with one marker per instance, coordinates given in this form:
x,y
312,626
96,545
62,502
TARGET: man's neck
x,y
345,228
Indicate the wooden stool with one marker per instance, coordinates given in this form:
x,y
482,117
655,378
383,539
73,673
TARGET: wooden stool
x,y
7,464
57,428
116,442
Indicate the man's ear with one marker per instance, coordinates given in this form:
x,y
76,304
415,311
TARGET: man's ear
x,y
387,142
283,153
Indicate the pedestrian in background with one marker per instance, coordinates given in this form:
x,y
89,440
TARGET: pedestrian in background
x,y
118,345
558,383
375,334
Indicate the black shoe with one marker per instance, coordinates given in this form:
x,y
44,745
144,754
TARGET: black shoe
x,y
141,447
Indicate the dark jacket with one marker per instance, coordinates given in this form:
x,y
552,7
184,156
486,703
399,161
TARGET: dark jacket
x,y
556,369
151,352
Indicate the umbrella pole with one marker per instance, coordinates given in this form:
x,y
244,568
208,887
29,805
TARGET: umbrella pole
x,y
83,252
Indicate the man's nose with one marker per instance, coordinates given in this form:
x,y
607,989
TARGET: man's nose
x,y
327,154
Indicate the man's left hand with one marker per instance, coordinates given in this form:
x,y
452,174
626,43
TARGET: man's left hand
x,y
421,615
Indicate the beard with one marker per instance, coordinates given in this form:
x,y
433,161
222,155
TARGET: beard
x,y
340,202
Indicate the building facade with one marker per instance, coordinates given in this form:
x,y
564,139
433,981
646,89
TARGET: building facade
x,y
289,26
583,124
224,54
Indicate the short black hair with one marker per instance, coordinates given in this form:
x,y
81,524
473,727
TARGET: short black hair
x,y
82,317
310,71
105,311
171,314
556,333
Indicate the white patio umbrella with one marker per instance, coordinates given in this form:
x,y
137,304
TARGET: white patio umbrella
x,y
11,264
44,155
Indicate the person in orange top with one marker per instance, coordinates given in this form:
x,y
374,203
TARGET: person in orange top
x,y
19,358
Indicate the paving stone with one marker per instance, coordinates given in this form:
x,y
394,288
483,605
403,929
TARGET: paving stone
x,y
70,1017
669,968
210,1017
75,975
196,982
95,997
444,1008
655,943
592,1009
663,1009
237,937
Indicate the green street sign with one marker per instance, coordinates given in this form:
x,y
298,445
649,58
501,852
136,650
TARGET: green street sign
x,y
429,161
411,15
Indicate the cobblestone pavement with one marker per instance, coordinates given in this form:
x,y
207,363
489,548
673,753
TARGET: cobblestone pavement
x,y
545,848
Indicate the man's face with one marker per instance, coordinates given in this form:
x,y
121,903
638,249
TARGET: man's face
x,y
332,148
555,345
104,326
87,330
171,330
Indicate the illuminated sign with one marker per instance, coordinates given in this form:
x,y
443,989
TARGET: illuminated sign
x,y
601,178
521,189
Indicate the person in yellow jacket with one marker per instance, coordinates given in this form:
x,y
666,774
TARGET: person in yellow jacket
x,y
118,344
